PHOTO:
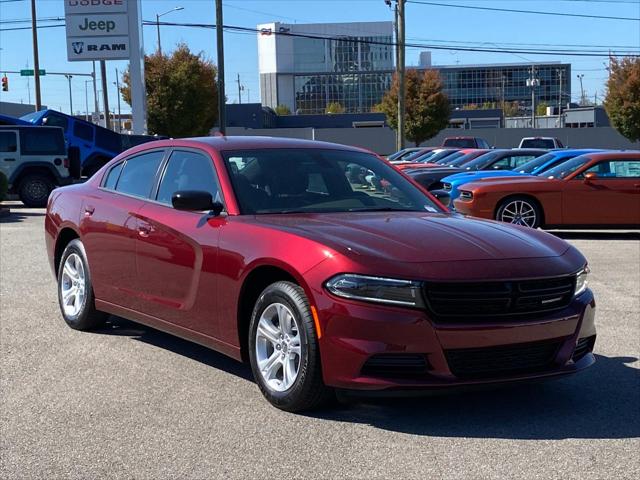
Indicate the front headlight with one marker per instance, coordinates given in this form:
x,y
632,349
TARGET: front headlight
x,y
466,195
581,281
376,289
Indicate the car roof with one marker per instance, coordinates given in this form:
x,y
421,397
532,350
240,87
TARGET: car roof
x,y
222,143
613,154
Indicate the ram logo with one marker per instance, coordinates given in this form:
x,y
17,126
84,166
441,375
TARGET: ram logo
x,y
78,47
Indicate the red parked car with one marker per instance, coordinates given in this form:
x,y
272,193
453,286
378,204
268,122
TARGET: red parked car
x,y
599,189
274,252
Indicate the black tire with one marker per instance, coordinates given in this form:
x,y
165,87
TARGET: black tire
x,y
87,317
34,190
308,390
520,210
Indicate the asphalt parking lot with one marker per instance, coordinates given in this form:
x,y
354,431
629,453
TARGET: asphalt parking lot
x,y
130,402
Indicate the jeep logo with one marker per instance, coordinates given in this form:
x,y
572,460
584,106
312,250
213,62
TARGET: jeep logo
x,y
102,25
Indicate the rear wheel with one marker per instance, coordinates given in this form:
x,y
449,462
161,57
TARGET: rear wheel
x,y
75,290
283,349
520,211
34,190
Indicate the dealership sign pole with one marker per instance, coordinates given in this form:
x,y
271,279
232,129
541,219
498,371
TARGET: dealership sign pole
x,y
110,30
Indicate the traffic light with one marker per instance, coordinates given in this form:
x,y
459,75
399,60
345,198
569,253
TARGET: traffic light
x,y
5,84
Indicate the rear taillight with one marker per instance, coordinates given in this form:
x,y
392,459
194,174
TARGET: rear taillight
x,y
65,162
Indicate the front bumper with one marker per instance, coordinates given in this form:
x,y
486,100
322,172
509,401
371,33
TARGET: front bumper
x,y
354,332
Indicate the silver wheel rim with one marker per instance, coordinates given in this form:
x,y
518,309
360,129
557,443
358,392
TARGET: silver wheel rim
x,y
72,286
519,212
278,347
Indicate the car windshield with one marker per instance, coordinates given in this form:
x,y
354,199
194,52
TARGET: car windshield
x,y
537,143
566,168
424,157
440,156
465,158
316,181
534,165
416,154
449,158
460,142
482,161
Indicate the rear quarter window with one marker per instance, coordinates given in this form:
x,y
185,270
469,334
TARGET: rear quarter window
x,y
42,141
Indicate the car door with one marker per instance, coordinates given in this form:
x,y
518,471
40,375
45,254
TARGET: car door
x,y
612,198
177,250
8,152
110,227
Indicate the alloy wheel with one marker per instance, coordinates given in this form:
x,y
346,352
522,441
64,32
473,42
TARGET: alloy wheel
x,y
278,347
73,285
519,212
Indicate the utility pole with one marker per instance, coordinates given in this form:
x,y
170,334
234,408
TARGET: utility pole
x,y
220,47
86,100
560,75
69,77
240,89
533,82
96,107
117,84
36,59
401,71
105,94
582,100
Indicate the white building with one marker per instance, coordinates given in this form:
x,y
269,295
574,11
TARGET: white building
x,y
308,66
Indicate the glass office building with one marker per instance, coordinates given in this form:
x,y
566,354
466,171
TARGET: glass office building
x,y
302,68
307,74
493,84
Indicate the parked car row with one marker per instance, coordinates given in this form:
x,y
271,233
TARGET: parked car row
x,y
533,187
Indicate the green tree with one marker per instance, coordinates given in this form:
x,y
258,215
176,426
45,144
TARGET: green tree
x,y
427,108
182,94
334,107
622,101
541,109
282,110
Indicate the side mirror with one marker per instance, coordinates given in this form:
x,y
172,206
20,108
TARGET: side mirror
x,y
590,177
196,200
443,196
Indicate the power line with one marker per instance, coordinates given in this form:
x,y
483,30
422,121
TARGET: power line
x,y
533,12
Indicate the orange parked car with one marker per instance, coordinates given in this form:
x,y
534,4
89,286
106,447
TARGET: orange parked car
x,y
593,190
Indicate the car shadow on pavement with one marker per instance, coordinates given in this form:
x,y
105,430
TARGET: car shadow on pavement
x,y
120,326
606,235
601,402
20,216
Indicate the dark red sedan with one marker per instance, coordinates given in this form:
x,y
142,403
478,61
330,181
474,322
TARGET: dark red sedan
x,y
282,253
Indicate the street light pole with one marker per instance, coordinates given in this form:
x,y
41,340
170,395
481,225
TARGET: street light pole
x,y
158,15
401,72
86,99
36,59
582,102
560,75
69,77
220,48
533,82
117,84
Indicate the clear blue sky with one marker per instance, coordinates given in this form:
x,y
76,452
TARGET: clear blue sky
x,y
425,24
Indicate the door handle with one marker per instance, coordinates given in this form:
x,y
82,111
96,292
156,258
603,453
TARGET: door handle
x,y
9,159
88,210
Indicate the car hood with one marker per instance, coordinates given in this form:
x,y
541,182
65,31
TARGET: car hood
x,y
514,183
416,237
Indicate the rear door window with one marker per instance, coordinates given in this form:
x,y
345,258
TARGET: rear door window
x,y
8,142
139,174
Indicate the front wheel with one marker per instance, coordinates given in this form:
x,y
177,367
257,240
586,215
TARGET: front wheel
x,y
283,349
520,211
